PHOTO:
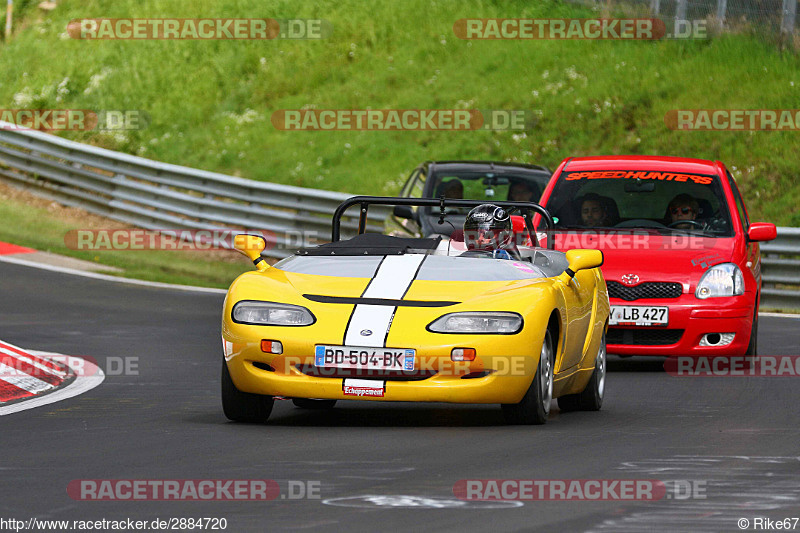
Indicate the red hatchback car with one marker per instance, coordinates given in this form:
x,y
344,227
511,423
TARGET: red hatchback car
x,y
682,259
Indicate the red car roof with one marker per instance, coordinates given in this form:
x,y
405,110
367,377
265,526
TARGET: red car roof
x,y
642,162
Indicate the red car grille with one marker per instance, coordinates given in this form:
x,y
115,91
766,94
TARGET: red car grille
x,y
650,289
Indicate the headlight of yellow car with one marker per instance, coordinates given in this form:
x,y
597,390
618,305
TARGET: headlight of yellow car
x,y
271,314
477,323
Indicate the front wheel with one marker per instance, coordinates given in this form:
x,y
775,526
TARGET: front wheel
x,y
243,406
591,399
535,405
752,348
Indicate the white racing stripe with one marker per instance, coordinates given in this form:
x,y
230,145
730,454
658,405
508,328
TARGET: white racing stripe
x,y
391,281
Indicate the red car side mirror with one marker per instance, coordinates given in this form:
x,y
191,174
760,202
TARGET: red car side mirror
x,y
762,231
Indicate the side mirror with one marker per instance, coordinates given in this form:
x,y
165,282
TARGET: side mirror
x,y
762,231
252,246
581,260
404,211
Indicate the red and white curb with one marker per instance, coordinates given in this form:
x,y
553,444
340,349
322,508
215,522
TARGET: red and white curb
x,y
13,249
31,378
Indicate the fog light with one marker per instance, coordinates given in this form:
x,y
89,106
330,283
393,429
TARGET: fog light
x,y
268,346
463,354
717,339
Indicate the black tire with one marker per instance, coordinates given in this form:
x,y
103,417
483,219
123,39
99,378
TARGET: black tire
x,y
534,407
591,399
306,403
243,406
752,348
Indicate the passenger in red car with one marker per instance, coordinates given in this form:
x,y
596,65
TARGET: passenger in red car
x,y
593,211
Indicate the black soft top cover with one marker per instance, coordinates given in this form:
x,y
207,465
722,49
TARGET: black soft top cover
x,y
372,244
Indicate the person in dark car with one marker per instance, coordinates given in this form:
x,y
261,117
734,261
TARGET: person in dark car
x,y
452,189
521,191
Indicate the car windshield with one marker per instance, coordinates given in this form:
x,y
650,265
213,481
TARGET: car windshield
x,y
624,200
437,266
488,186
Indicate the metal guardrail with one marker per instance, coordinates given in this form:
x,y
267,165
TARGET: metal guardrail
x,y
780,270
161,196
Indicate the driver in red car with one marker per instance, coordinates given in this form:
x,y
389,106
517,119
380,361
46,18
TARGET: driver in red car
x,y
488,231
682,207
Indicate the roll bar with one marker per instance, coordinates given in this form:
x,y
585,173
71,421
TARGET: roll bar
x,y
442,203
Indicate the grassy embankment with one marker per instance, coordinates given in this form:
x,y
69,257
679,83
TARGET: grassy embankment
x,y
210,102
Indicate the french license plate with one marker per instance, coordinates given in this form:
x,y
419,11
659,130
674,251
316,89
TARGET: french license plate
x,y
364,357
638,315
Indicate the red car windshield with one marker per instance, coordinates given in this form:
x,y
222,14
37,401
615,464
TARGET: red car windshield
x,y
630,199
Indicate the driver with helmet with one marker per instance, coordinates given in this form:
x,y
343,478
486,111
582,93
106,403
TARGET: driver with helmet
x,y
488,231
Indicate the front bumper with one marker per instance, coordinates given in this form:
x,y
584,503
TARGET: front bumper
x,y
488,379
689,320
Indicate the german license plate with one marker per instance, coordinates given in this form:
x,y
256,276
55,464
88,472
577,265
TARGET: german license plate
x,y
363,357
634,315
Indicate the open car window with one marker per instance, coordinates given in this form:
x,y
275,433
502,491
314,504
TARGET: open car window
x,y
622,200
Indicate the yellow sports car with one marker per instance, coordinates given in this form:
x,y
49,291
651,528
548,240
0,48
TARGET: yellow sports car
x,y
382,318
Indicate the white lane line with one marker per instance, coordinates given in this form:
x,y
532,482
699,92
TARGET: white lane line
x,y
105,277
88,377
779,315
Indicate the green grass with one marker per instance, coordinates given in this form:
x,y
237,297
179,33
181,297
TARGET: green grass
x,y
40,228
210,102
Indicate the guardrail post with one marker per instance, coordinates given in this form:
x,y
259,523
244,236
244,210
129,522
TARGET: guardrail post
x,y
9,15
680,10
655,7
722,7
789,13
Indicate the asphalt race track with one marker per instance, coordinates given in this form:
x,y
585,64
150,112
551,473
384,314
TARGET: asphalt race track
x,y
734,440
